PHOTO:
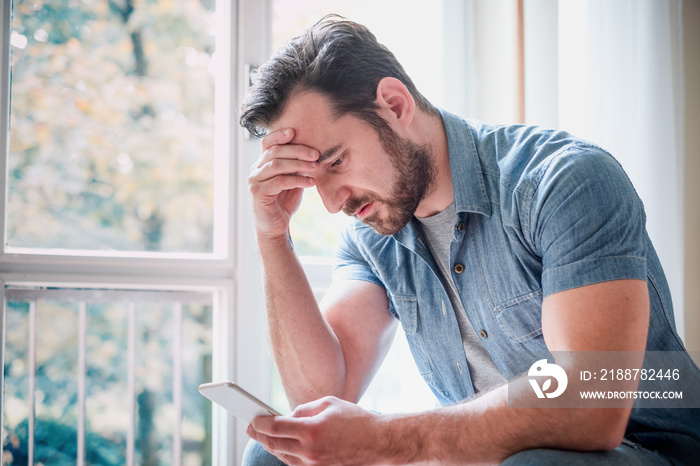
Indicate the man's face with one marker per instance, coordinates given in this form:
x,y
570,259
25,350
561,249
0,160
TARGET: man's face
x,y
378,178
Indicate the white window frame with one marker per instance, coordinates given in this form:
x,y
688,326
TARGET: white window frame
x,y
230,273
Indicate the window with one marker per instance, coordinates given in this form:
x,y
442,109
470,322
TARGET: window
x,y
117,255
126,230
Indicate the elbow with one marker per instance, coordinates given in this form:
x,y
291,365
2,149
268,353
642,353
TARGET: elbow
x,y
607,429
303,397
310,391
610,441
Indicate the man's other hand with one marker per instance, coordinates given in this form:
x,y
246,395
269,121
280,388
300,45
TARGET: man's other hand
x,y
325,431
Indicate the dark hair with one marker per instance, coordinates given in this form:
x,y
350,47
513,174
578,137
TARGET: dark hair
x,y
336,57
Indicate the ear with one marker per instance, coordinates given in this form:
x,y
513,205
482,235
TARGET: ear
x,y
395,102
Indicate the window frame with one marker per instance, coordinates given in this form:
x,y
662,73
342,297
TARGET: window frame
x,y
21,258
229,272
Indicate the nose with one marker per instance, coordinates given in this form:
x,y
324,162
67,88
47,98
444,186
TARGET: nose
x,y
332,194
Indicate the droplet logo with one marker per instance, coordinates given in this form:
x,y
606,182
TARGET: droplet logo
x,y
541,369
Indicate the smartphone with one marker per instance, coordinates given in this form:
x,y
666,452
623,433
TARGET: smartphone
x,y
236,400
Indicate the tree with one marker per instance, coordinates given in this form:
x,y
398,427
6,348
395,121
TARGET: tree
x,y
112,125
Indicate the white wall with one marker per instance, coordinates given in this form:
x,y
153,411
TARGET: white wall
x,y
625,75
691,173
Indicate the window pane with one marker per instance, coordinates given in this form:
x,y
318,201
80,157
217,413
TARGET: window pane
x,y
112,125
146,350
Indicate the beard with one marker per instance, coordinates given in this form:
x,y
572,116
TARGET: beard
x,y
415,175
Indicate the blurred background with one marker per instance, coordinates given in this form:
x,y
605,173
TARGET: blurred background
x,y
128,259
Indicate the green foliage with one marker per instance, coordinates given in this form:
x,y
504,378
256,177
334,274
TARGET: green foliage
x,y
55,443
58,18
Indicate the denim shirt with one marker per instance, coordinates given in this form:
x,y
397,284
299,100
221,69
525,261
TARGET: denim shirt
x,y
537,212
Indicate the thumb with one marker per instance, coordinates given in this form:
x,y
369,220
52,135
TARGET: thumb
x,y
313,408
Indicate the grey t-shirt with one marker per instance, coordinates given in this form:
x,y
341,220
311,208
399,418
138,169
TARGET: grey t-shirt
x,y
438,231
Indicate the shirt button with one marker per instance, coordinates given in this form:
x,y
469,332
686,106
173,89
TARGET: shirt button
x,y
459,268
460,226
483,334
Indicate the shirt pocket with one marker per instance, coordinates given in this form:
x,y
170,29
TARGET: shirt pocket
x,y
520,318
406,307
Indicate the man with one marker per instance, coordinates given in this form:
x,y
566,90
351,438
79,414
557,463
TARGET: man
x,y
482,241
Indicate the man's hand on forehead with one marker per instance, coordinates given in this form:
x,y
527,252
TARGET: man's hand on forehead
x,y
278,144
282,157
277,180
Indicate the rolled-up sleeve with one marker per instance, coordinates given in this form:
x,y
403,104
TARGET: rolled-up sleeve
x,y
587,221
349,262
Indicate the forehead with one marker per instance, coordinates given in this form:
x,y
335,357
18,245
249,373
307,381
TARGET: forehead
x,y
305,105
315,124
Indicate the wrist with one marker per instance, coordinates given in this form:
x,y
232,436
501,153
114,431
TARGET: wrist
x,y
283,241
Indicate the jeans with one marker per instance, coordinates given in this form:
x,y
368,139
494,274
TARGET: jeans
x,y
625,454
256,455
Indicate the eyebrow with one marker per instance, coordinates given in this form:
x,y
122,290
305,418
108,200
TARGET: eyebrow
x,y
328,154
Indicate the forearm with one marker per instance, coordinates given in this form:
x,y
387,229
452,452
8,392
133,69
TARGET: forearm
x,y
306,350
483,431
487,430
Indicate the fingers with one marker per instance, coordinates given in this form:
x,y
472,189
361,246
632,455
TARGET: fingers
x,y
287,152
313,408
279,444
283,166
284,448
277,426
314,433
277,180
299,422
276,138
278,145
267,191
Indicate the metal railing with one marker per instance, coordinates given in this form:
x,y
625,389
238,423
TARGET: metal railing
x,y
82,299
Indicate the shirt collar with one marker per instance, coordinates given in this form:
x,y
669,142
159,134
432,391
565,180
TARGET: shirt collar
x,y
467,178
467,174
